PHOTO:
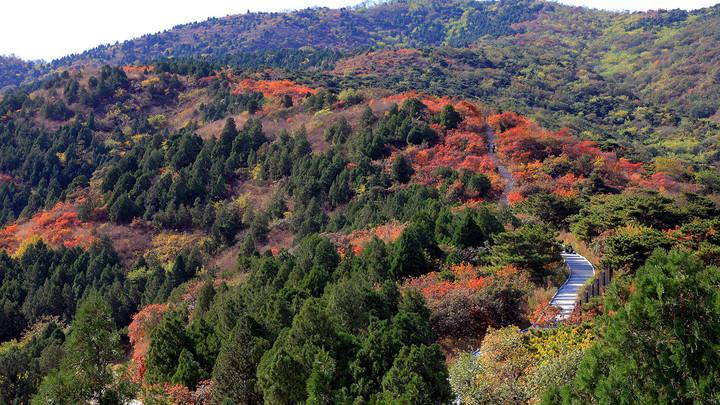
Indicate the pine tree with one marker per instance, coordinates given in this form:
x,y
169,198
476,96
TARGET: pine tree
x,y
449,118
467,233
85,374
122,210
204,299
188,371
235,369
367,119
418,376
227,136
402,170
408,258
320,382
168,340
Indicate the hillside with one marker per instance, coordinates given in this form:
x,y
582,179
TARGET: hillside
x,y
615,77
366,206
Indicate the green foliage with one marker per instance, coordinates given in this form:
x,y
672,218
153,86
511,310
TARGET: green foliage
x,y
608,211
417,376
84,374
44,282
122,209
710,179
629,247
449,118
339,131
29,155
308,327
402,170
466,231
410,257
23,366
223,102
169,340
532,247
56,110
188,371
204,299
104,88
550,208
235,368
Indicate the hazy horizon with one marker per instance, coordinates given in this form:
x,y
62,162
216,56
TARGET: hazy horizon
x,y
79,25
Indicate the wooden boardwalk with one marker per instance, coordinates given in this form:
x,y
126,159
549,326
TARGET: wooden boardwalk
x,y
581,270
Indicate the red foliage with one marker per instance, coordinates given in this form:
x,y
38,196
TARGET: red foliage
x,y
665,184
380,62
274,88
515,197
138,69
179,394
357,240
434,287
544,314
5,178
139,331
568,185
433,103
587,314
464,148
57,226
557,162
459,301
505,121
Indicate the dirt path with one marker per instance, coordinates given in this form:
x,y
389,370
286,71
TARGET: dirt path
x,y
504,172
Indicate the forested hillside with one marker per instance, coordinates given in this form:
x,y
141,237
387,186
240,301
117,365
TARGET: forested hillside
x,y
374,212
643,78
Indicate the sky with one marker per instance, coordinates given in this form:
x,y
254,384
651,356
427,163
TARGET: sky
x,y
48,29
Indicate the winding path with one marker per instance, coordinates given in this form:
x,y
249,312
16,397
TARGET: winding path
x,y
504,172
580,271
580,268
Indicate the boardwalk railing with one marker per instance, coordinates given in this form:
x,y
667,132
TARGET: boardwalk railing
x,y
597,287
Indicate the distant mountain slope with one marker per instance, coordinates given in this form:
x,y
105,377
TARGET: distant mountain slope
x,y
666,58
396,23
14,71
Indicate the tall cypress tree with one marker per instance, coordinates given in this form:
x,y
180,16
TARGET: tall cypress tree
x,y
235,369
85,374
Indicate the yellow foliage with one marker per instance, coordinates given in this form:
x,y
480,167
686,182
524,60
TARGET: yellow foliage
x,y
166,246
61,157
552,343
138,137
30,241
672,166
322,113
150,81
158,120
189,95
257,172
241,201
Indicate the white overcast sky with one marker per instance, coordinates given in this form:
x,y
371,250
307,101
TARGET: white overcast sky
x,y
47,29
